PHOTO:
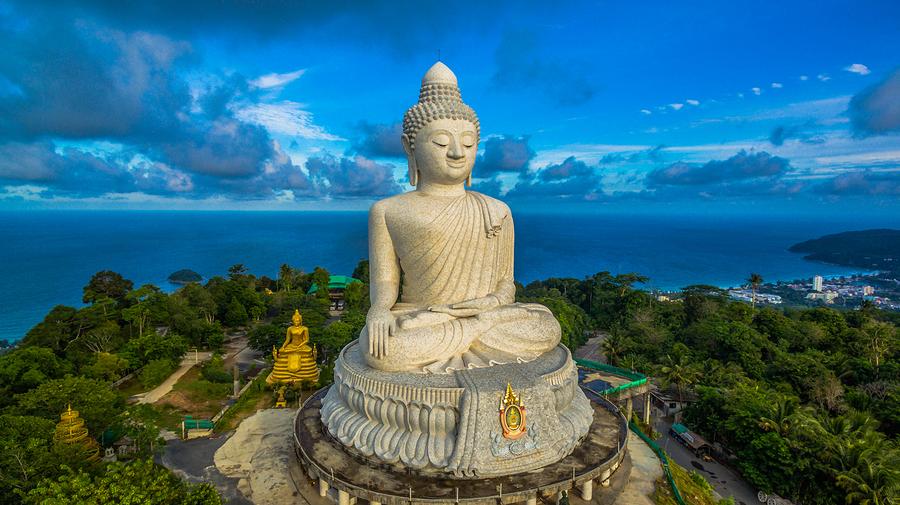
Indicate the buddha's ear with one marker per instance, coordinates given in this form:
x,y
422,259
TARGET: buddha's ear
x,y
410,160
407,148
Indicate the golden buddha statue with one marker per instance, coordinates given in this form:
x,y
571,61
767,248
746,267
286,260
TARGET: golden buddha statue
x,y
72,432
296,360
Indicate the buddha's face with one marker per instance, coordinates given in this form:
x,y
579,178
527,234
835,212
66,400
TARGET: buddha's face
x,y
296,320
445,151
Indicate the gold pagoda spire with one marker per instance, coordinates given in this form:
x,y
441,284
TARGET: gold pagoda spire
x,y
71,431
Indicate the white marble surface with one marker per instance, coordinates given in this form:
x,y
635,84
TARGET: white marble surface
x,y
444,335
454,249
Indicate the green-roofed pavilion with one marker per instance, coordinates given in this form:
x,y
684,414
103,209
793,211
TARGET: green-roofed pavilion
x,y
335,282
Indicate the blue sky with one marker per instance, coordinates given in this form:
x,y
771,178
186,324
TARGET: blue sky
x,y
228,104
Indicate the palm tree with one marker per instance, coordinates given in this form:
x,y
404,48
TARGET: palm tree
x,y
755,280
285,276
612,347
871,483
681,373
784,417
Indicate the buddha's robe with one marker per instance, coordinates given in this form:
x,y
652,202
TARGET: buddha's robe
x,y
463,254
295,347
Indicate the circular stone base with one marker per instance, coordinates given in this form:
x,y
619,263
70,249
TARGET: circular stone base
x,y
327,460
450,424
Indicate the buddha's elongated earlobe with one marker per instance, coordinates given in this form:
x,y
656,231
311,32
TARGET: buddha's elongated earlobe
x,y
410,160
469,180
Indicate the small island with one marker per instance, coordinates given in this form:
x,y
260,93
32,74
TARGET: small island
x,y
877,249
185,276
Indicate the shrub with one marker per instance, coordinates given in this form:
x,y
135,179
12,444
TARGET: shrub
x,y
214,370
155,372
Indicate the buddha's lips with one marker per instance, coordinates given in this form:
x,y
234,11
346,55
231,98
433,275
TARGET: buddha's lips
x,y
461,164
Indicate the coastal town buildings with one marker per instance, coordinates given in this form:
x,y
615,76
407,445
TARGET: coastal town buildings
x,y
827,297
746,295
817,283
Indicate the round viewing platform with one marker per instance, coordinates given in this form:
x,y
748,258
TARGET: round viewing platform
x,y
347,477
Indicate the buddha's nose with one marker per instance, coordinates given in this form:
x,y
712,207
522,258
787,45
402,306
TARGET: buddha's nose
x,y
455,151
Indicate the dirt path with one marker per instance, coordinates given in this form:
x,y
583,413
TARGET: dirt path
x,y
158,392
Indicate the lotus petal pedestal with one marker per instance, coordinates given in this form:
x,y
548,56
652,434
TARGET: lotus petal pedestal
x,y
450,424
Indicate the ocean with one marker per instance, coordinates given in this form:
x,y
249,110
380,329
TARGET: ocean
x,y
47,257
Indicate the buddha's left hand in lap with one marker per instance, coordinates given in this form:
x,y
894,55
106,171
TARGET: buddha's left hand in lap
x,y
468,308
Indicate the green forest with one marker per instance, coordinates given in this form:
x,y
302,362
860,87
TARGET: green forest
x,y
806,401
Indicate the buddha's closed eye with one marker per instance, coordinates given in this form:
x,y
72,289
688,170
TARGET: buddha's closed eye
x,y
441,140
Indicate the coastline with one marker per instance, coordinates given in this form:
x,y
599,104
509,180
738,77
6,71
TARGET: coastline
x,y
51,255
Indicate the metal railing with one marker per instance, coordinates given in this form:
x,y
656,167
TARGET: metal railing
x,y
335,479
635,379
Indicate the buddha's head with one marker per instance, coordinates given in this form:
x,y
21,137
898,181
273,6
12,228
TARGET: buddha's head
x,y
440,132
297,319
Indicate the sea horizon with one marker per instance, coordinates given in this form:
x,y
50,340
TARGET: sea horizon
x,y
51,254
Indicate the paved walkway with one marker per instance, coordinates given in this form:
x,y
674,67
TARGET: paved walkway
x,y
645,470
158,392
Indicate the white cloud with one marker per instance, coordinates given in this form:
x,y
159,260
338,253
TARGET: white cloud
x,y
274,80
284,195
27,192
693,102
777,85
646,111
824,110
589,153
756,91
804,77
823,77
863,158
676,106
285,117
858,68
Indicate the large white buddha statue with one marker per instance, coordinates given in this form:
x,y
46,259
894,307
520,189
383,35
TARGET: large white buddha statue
x,y
455,250
450,374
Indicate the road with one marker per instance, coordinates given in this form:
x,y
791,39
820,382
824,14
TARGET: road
x,y
724,480
590,350
193,461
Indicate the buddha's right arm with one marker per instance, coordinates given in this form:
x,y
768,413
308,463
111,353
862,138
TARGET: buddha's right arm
x,y
384,267
384,282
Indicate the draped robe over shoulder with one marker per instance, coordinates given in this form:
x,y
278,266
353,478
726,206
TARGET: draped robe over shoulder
x,y
466,252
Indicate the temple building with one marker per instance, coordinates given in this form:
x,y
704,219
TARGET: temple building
x,y
71,431
337,284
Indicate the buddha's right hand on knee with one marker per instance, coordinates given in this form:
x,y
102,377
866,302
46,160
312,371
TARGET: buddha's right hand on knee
x,y
380,324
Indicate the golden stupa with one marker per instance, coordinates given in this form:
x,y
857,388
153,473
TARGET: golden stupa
x,y
71,431
296,360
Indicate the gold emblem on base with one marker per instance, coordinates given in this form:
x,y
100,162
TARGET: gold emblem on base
x,y
512,414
